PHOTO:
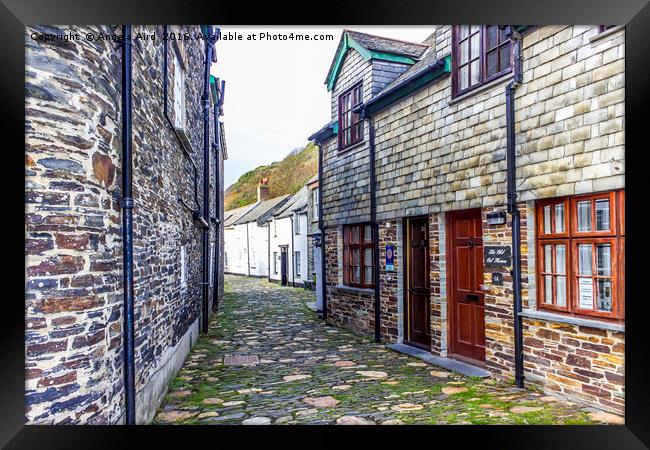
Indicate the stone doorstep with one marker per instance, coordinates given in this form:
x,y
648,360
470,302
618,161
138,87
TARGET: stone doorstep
x,y
446,363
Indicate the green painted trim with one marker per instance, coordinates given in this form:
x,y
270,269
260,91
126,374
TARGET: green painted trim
x,y
350,43
411,87
335,127
213,88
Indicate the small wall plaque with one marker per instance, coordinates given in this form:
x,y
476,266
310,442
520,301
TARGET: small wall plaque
x,y
390,258
497,278
497,256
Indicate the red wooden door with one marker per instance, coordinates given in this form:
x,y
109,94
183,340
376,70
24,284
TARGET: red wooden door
x,y
418,312
466,277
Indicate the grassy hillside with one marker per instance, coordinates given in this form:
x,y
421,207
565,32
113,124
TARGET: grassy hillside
x,y
285,177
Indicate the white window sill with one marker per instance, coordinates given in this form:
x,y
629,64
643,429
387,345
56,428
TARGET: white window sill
x,y
591,323
606,33
342,287
480,89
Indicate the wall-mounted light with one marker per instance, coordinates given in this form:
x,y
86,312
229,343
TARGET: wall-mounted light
x,y
496,218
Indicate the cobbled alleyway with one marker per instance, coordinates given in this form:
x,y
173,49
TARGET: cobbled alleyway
x,y
304,372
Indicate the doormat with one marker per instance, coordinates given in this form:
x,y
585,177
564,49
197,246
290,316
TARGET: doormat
x,y
240,360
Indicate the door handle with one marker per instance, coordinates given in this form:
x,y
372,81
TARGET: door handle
x,y
472,297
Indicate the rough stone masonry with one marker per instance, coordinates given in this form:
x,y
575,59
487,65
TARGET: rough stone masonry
x,y
74,296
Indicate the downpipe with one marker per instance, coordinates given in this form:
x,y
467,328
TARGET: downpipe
x,y
206,180
127,229
321,226
512,204
373,223
293,255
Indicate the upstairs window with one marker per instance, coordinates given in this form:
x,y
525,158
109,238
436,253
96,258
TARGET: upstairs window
x,y
350,123
297,263
580,248
358,249
314,198
179,93
296,223
481,53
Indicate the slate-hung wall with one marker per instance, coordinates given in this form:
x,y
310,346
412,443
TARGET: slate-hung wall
x,y
74,297
437,153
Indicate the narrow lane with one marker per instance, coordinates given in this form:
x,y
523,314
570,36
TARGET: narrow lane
x,y
290,368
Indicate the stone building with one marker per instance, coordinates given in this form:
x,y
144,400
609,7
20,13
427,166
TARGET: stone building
x,y
430,240
74,303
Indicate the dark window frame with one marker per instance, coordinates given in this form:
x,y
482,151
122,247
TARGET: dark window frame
x,y
603,28
361,245
356,121
483,50
571,238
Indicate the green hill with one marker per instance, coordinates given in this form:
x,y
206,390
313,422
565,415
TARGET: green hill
x,y
285,177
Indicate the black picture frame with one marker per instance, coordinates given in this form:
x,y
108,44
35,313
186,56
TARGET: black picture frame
x,y
635,14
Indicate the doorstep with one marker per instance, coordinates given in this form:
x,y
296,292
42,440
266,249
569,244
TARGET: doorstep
x,y
446,363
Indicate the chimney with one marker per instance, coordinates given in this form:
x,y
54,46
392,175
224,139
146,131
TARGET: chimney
x,y
263,192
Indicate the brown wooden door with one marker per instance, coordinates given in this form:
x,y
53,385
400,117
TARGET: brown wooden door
x,y
418,323
467,326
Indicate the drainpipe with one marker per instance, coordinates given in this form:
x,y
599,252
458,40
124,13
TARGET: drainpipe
x,y
321,226
127,229
512,204
217,213
373,223
206,178
293,256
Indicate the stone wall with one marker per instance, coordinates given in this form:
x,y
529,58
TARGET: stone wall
x,y
388,284
74,353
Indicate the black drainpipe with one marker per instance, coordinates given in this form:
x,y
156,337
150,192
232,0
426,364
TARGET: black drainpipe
x,y
206,178
293,256
512,204
321,225
373,223
217,213
127,229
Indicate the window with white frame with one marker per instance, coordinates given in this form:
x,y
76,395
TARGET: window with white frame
x,y
314,197
297,264
179,93
296,223
183,267
275,263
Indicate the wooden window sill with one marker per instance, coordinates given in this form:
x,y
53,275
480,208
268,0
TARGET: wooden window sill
x,y
482,88
351,146
555,317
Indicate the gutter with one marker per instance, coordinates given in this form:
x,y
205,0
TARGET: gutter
x,y
511,156
127,229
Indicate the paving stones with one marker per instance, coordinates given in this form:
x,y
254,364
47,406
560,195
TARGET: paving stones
x,y
525,409
311,373
601,416
257,421
352,420
321,402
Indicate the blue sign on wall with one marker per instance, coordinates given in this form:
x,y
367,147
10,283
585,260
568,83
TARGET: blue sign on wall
x,y
390,258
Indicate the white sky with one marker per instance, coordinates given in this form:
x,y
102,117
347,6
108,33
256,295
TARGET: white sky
x,y
275,93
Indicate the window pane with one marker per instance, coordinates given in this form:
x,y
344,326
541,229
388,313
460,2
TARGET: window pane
x,y
584,259
504,57
464,31
584,216
356,274
367,233
464,51
464,77
355,235
548,289
476,28
560,257
548,258
491,36
559,218
560,288
604,288
475,45
368,275
602,214
356,254
547,219
475,72
367,257
492,63
604,259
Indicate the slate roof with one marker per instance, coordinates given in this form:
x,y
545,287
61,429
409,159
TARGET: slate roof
x,y
298,202
387,45
262,208
232,215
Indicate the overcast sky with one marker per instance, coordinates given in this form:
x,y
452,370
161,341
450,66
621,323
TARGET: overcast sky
x,y
275,93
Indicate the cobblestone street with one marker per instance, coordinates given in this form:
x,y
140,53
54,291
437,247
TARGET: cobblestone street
x,y
300,371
